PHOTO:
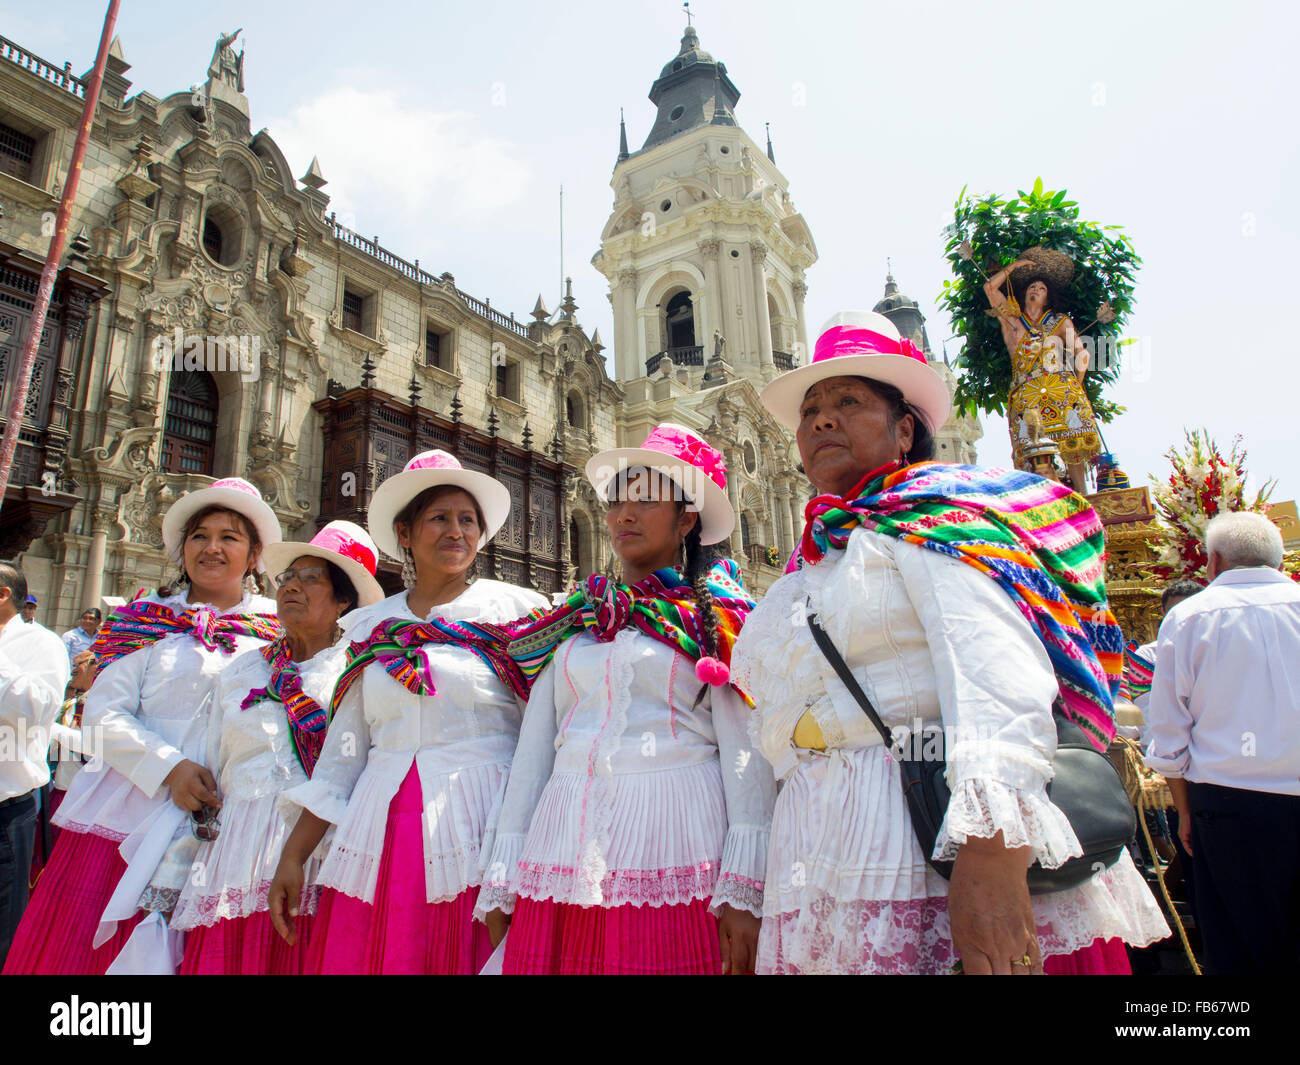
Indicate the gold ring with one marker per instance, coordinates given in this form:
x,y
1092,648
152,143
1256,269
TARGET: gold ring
x,y
1026,961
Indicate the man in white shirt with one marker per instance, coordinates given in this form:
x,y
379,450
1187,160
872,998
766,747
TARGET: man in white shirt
x,y
79,639
1223,727
33,675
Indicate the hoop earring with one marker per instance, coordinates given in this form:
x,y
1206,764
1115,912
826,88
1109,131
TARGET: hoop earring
x,y
251,587
408,569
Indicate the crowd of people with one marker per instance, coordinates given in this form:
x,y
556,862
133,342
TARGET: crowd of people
x,y
653,773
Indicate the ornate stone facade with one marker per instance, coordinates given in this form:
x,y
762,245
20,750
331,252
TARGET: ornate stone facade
x,y
219,264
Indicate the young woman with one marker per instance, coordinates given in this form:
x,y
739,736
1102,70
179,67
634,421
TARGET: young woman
x,y
633,835
160,658
426,719
268,725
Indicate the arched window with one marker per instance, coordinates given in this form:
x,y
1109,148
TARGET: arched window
x,y
774,328
744,529
580,545
680,320
212,239
191,426
573,410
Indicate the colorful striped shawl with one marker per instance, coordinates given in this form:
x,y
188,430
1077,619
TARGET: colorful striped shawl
x,y
307,718
398,646
662,606
1036,538
142,623
1138,673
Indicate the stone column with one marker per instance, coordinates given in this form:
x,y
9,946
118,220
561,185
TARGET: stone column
x,y
757,254
733,493
269,370
93,590
796,514
627,364
709,251
727,323
800,289
783,512
148,372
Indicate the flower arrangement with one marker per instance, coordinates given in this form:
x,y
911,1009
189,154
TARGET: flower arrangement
x,y
1203,483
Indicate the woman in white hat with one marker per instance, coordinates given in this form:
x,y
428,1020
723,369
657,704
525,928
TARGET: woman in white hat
x,y
268,726
426,717
963,600
146,717
633,835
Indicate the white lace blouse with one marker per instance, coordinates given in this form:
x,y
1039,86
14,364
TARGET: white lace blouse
x,y
634,783
461,741
145,714
935,644
252,754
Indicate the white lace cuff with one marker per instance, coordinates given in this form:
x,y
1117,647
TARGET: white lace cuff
x,y
314,795
1026,818
744,862
1016,765
497,891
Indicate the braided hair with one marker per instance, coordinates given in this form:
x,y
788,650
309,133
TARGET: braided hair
x,y
699,559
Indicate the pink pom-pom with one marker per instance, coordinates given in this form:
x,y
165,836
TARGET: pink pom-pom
x,y
712,671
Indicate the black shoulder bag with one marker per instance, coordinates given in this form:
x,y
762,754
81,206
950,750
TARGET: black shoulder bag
x,y
1085,787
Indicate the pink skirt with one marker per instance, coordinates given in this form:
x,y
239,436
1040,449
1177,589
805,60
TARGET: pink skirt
x,y
1106,957
555,938
58,926
245,946
399,932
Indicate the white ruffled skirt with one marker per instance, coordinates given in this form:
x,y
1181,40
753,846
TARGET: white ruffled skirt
x,y
848,889
232,876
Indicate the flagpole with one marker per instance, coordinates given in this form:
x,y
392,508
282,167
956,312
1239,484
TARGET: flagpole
x,y
22,381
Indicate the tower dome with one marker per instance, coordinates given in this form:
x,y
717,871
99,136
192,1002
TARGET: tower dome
x,y
905,313
692,90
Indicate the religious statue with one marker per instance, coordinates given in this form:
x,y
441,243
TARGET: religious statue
x,y
226,65
719,343
1048,363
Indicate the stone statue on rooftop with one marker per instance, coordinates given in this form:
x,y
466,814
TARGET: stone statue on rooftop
x,y
226,65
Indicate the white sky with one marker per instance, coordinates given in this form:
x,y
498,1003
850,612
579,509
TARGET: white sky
x,y
446,129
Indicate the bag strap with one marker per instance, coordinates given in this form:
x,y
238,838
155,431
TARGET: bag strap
x,y
847,678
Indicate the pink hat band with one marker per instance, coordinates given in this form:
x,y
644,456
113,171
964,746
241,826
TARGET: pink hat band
x,y
238,484
349,547
691,450
433,460
843,340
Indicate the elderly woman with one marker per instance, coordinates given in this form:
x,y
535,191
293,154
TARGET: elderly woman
x,y
903,589
266,731
633,835
160,658
427,716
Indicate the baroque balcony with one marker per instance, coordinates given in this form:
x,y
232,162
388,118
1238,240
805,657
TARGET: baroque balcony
x,y
783,360
691,356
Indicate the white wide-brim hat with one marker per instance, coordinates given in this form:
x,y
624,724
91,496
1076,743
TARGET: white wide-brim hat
x,y
862,344
345,544
232,493
428,470
691,462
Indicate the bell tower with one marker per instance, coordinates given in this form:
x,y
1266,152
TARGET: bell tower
x,y
954,441
704,249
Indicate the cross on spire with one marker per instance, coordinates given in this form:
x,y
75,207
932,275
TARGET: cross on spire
x,y
687,6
